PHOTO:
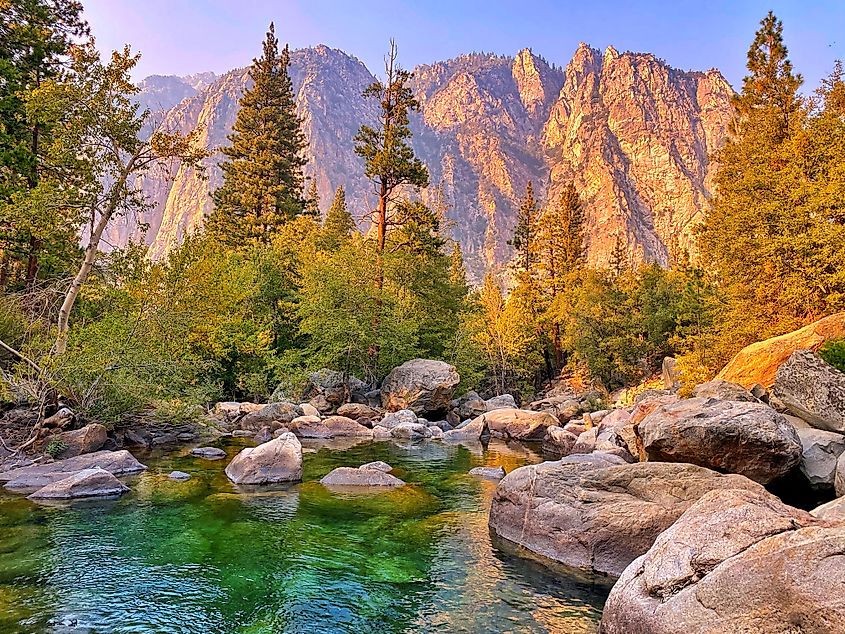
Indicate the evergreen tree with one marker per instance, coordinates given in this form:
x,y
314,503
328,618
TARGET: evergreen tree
x,y
339,223
618,257
390,162
262,174
312,200
525,231
35,39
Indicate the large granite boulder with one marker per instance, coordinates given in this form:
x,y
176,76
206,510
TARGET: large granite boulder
x,y
596,512
30,478
812,389
279,460
88,483
758,363
472,430
723,391
751,439
87,439
421,385
274,416
403,416
331,427
358,411
820,451
364,477
519,424
333,387
736,562
559,441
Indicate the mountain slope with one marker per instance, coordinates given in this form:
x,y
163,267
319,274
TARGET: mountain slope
x,y
633,134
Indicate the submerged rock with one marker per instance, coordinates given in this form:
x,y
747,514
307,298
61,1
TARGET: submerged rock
x,y
279,460
735,562
88,483
331,427
596,512
350,476
209,453
378,465
492,473
421,385
751,439
179,475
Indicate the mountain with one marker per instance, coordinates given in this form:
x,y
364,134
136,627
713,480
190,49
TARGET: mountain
x,y
631,132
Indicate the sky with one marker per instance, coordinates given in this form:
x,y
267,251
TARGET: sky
x,y
180,37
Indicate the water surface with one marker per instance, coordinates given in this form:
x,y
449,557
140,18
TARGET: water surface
x,y
204,557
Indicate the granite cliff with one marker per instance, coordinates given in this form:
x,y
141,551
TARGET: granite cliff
x,y
633,133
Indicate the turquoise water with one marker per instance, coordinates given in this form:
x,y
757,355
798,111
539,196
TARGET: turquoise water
x,y
204,557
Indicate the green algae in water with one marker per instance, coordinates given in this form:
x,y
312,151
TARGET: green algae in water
x,y
203,556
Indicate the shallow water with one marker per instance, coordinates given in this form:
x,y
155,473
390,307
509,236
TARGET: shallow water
x,y
204,557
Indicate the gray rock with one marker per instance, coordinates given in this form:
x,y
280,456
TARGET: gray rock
x,y
209,453
736,562
349,476
410,431
279,460
559,441
491,473
88,439
503,401
263,435
436,432
279,413
398,418
421,385
820,451
88,483
838,477
518,424
180,476
331,427
118,463
751,439
596,512
472,430
242,433
671,374
378,465
724,391
812,389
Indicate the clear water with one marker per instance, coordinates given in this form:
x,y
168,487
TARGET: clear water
x,y
203,557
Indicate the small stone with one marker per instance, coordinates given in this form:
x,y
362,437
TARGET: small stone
x,y
209,453
179,475
493,473
378,465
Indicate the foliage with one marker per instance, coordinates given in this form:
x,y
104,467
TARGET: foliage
x,y
525,232
339,223
834,353
55,448
262,175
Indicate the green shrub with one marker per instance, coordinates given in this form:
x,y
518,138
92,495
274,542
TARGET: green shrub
x,y
834,353
55,448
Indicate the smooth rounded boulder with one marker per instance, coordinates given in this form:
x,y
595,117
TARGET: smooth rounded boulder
x,y
596,512
279,460
88,483
735,562
420,385
363,477
750,439
30,478
87,439
330,427
519,424
273,415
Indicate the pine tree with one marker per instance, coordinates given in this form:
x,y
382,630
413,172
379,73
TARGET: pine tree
x,y
618,257
339,223
262,174
312,200
525,231
390,162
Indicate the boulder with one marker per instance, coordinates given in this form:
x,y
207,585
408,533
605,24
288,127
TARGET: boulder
x,y
333,387
586,441
671,374
736,562
436,432
88,439
279,460
421,385
820,451
309,410
118,463
331,427
759,362
838,476
398,418
724,391
812,389
470,405
503,401
751,439
273,416
833,511
349,476
559,441
491,473
356,411
378,465
519,424
179,476
88,483
209,453
473,430
263,435
380,433
596,512
410,431
228,410
561,407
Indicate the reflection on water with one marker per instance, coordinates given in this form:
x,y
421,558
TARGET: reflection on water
x,y
203,556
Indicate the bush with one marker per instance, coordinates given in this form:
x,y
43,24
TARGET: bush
x,y
55,448
834,353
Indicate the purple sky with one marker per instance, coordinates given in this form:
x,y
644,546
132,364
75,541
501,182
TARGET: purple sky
x,y
186,36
